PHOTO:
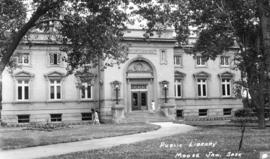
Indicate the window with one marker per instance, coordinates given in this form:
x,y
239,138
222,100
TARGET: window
x,y
227,111
86,116
22,86
178,60
23,118
224,61
22,90
179,113
201,61
202,89
55,58
86,91
55,85
55,89
56,117
178,88
23,59
226,87
203,112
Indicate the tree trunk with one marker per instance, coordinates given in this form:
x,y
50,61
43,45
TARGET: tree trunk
x,y
243,128
264,12
260,115
258,101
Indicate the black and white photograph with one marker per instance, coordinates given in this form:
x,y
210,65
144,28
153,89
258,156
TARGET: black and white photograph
x,y
134,79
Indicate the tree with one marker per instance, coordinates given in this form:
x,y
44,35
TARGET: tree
x,y
89,29
220,24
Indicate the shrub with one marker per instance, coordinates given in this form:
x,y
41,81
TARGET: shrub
x,y
244,116
244,113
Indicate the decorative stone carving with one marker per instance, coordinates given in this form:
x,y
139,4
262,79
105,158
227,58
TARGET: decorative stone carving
x,y
226,75
23,74
142,51
201,74
179,75
55,75
139,66
85,77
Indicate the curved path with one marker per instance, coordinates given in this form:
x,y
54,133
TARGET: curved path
x,y
167,129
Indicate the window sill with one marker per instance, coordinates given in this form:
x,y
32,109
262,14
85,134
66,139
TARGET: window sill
x,y
60,65
230,97
86,100
22,102
203,116
86,120
225,66
25,65
178,66
202,97
56,122
204,66
54,101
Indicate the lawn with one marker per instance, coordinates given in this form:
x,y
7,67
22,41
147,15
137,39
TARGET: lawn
x,y
217,141
12,138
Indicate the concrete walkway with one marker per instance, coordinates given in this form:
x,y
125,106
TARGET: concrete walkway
x,y
167,129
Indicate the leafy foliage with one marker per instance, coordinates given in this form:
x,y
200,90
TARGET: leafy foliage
x,y
91,30
243,113
223,25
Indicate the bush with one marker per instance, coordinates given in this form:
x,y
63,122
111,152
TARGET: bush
x,y
244,116
244,113
47,126
244,120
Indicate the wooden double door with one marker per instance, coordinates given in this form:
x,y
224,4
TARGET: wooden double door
x,y
139,100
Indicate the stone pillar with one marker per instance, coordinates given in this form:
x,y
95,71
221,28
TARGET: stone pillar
x,y
168,110
118,114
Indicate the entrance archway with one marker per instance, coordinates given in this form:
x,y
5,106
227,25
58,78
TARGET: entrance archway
x,y
140,85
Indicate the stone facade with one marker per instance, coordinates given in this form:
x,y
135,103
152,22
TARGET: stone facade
x,y
40,91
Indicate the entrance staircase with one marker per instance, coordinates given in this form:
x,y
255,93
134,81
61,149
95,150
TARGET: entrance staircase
x,y
146,116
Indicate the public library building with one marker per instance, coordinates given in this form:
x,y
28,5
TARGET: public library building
x,y
157,75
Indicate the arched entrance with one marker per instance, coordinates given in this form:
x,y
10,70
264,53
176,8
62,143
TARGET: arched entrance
x,y
140,85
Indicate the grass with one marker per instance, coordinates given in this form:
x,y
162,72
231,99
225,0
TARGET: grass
x,y
227,139
220,123
12,138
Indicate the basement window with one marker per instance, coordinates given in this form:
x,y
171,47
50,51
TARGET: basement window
x,y
203,112
56,117
24,118
227,111
179,113
86,116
